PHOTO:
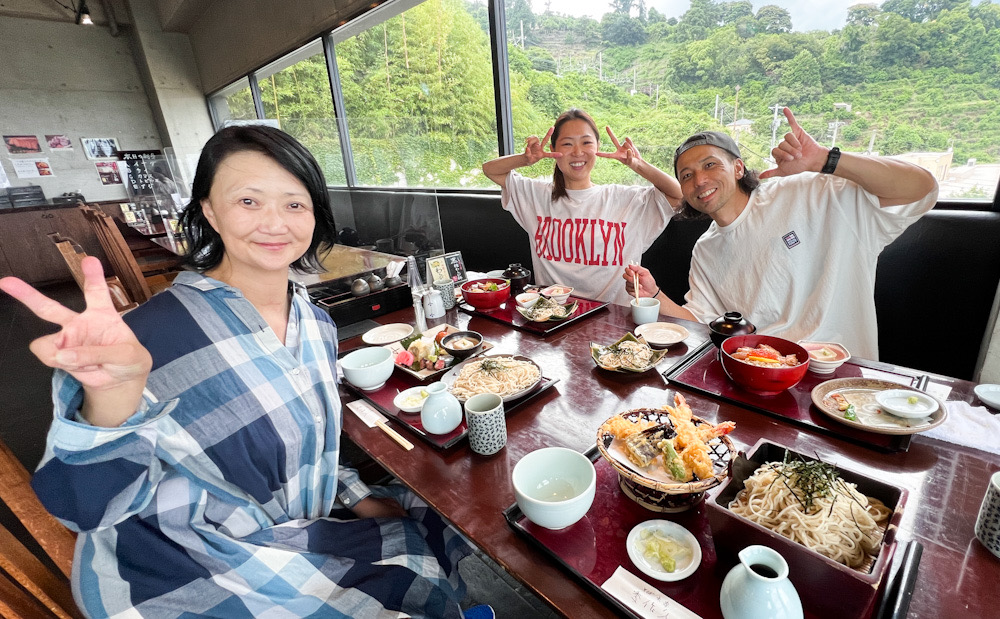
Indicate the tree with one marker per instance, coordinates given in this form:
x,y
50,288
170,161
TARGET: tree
x,y
735,12
919,11
863,15
619,29
772,19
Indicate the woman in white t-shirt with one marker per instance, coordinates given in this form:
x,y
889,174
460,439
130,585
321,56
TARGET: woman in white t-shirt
x,y
582,235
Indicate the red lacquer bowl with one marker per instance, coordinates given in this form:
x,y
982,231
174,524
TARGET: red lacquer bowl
x,y
761,380
486,301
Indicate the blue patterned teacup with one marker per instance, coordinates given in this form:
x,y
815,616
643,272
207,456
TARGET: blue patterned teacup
x,y
988,523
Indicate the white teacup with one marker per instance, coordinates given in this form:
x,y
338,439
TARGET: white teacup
x,y
645,310
484,414
988,522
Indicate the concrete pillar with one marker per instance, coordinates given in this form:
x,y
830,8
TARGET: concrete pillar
x,y
169,75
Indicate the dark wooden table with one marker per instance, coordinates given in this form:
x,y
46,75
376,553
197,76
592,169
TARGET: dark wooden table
x,y
958,577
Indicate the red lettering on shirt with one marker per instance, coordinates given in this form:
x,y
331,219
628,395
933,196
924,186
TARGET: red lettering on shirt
x,y
565,240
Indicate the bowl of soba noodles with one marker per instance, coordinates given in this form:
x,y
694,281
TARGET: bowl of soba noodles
x,y
764,364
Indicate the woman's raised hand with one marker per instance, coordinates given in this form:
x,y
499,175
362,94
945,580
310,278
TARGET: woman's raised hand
x,y
534,150
626,152
95,346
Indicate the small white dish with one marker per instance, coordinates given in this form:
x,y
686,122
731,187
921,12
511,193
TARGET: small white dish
x,y
495,273
653,569
527,299
410,400
558,293
662,334
989,394
906,403
387,334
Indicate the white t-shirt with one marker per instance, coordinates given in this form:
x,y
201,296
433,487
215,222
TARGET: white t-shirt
x,y
799,262
588,238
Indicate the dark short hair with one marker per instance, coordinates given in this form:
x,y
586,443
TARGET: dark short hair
x,y
708,138
746,184
558,180
205,247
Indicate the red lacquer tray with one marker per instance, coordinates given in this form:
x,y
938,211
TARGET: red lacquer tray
x,y
382,399
593,548
508,314
703,373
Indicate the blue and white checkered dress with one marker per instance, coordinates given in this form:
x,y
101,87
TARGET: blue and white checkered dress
x,y
222,495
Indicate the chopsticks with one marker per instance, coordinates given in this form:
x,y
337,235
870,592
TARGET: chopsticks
x,y
407,445
635,281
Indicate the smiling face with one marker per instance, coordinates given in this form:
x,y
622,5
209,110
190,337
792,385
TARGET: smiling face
x,y
577,141
708,176
264,215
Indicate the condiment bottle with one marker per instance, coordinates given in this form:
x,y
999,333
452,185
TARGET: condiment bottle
x,y
417,291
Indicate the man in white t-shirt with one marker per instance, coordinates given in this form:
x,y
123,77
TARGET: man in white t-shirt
x,y
797,256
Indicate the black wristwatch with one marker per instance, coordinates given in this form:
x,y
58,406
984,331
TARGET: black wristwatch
x,y
831,161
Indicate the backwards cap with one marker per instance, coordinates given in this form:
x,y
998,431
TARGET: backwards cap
x,y
709,138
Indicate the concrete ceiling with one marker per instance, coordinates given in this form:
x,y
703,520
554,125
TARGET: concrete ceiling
x,y
175,15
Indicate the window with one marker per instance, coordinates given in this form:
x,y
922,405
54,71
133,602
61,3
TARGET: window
x,y
235,102
418,91
295,92
914,83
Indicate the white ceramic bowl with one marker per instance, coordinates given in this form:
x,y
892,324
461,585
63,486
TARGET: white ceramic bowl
x,y
527,299
989,394
554,486
558,293
898,402
820,361
368,368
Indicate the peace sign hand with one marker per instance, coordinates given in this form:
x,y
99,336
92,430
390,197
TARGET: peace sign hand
x,y
94,346
534,150
625,152
798,152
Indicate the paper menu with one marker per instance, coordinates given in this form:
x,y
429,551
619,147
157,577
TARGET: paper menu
x,y
642,598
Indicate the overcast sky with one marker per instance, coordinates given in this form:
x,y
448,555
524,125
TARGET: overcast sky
x,y
812,15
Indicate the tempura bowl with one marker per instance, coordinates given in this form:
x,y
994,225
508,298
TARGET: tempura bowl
x,y
761,380
554,486
368,368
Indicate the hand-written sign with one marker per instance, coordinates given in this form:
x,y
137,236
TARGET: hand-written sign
x,y
138,167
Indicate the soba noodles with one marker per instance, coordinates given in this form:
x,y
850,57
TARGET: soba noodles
x,y
503,376
811,504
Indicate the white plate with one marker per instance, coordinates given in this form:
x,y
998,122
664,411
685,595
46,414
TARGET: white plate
x,y
662,333
990,394
386,334
897,402
653,569
402,396
449,378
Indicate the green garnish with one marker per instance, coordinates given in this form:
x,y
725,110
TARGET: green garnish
x,y
807,481
492,367
850,413
912,399
406,341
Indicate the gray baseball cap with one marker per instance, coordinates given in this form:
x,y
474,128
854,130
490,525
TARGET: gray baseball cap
x,y
708,138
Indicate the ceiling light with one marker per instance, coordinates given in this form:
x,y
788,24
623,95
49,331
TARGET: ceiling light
x,y
83,14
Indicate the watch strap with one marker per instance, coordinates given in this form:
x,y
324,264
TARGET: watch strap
x,y
831,161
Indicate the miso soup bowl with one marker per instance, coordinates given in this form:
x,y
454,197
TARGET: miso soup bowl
x,y
554,486
368,368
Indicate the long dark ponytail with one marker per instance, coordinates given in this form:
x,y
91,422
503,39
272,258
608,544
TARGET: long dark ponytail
x,y
558,180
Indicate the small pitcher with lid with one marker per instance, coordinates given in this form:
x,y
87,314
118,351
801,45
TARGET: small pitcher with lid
x,y
518,277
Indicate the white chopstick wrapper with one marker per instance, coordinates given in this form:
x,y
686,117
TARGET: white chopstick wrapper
x,y
373,418
643,598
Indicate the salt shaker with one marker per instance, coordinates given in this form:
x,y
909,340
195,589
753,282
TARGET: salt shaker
x,y
417,291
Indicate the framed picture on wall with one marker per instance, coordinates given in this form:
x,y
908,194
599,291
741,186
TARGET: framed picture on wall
x,y
100,148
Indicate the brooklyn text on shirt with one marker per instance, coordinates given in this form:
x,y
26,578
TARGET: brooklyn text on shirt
x,y
580,240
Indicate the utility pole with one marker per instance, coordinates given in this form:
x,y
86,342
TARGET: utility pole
x,y
775,123
657,106
522,34
835,125
600,65
871,144
736,116
716,114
